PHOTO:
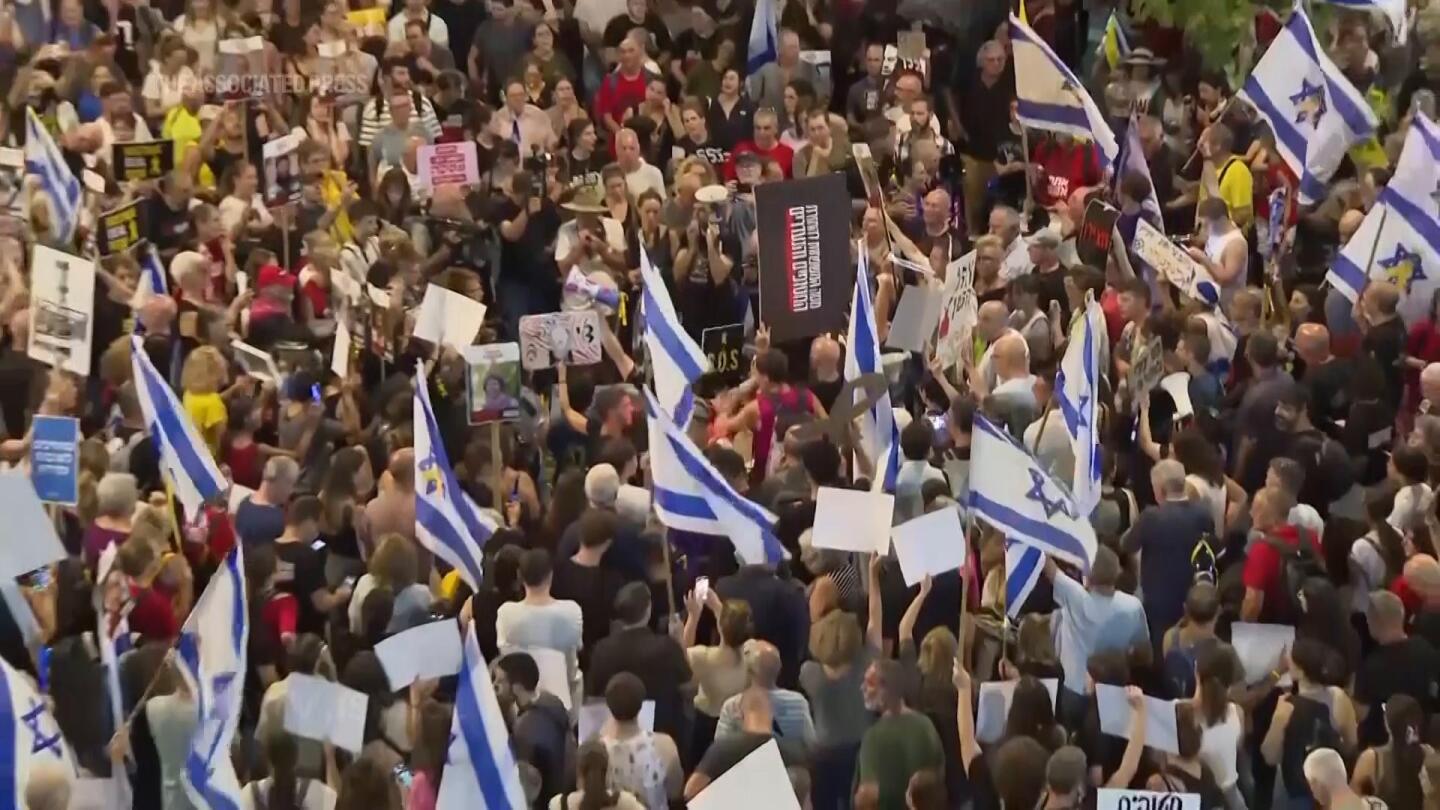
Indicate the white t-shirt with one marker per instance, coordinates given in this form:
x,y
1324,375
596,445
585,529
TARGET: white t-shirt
x,y
644,179
1411,504
439,32
318,795
168,91
556,626
232,209
1212,498
1219,745
1367,571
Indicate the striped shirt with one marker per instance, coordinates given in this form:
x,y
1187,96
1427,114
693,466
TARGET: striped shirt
x,y
375,117
791,712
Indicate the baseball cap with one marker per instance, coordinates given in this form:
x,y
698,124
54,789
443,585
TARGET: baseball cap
x,y
747,159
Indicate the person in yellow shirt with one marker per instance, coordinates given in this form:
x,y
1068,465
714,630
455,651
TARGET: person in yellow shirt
x,y
203,376
183,126
315,160
1233,179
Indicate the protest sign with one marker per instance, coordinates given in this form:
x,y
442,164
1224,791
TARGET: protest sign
x,y
724,347
759,780
1115,799
120,229
571,337
1147,368
1160,726
258,364
55,458
282,169
494,382
430,650
317,709
142,160
836,425
448,164
958,312
853,520
1097,228
447,318
806,273
915,318
1170,260
25,518
62,301
931,544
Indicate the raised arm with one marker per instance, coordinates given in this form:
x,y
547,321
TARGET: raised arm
x,y
1130,761
874,630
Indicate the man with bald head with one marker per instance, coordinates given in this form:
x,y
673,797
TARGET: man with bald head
x,y
791,709
1384,334
825,378
1400,664
1430,389
393,509
935,227
640,176
1327,376
1013,400
992,323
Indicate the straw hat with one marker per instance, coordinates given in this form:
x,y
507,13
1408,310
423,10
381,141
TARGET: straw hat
x,y
587,200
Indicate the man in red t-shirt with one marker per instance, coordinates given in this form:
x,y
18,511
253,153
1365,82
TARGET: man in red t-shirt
x,y
1066,165
1263,575
766,144
622,89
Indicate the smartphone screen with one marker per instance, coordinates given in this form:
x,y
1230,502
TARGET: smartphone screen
x,y
403,776
315,392
318,545
702,588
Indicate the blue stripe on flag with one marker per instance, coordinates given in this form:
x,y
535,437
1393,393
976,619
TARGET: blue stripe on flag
x,y
1338,95
434,522
1056,114
670,340
1020,524
477,740
1417,219
1021,579
682,504
774,552
171,432
9,742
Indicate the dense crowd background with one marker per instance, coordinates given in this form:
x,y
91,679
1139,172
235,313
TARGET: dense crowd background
x,y
1297,490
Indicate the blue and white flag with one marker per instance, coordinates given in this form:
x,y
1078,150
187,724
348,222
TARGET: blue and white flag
x,y
675,360
764,36
480,769
1399,240
1077,388
447,521
691,495
152,281
879,435
1051,98
1132,159
1392,10
44,160
1314,111
31,740
211,660
1023,566
1015,495
184,457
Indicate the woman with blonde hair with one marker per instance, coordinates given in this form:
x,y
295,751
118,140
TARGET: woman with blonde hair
x,y
393,566
719,670
202,378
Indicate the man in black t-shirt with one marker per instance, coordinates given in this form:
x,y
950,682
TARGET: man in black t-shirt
x,y
300,566
167,215
638,15
1399,665
529,223
1384,335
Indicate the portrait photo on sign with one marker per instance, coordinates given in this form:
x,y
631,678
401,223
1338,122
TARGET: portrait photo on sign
x,y
493,374
553,338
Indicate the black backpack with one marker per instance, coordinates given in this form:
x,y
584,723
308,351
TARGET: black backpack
x,y
1309,729
1297,564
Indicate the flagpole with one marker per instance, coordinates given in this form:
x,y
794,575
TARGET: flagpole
x,y
1025,145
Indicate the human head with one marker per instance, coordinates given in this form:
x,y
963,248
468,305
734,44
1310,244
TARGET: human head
x,y
991,60
632,605
1167,479
117,494
535,570
1386,616
1105,570
624,696
1325,772
278,479
1268,509
767,129
516,678
883,686
302,518
1066,776
632,55
1005,223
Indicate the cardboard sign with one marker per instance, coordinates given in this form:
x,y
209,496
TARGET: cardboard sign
x,y
1147,367
1113,799
1092,241
1170,260
959,312
494,382
282,169
724,347
142,160
448,318
571,337
449,164
806,274
55,458
916,318
120,230
931,544
62,301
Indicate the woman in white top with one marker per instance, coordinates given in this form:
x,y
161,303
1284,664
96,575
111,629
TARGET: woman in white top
x,y
719,670
283,790
199,26
1222,726
243,211
168,78
646,763
592,772
540,621
1378,556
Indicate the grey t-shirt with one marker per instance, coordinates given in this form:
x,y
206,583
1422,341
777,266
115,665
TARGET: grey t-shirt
x,y
837,703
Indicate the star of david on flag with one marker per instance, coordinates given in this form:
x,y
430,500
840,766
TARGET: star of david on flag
x,y
33,741
1036,493
1309,103
1404,267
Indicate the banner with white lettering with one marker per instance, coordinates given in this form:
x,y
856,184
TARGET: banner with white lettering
x,y
806,272
1111,799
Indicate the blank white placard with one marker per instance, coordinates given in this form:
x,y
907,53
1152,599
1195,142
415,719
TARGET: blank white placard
x,y
853,520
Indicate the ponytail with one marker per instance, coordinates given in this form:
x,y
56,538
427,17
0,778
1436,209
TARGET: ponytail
x,y
284,790
592,772
1210,670
1404,719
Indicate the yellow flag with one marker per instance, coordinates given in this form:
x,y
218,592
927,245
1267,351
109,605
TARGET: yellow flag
x,y
1024,18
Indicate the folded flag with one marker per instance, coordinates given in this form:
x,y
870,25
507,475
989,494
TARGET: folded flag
x,y
1051,98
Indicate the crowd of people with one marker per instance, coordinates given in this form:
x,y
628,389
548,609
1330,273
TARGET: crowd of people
x,y
1286,477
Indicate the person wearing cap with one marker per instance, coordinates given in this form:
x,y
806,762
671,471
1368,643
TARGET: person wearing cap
x,y
765,143
1044,251
1143,82
592,240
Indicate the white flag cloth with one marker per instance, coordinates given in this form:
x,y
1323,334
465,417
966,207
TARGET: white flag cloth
x,y
183,456
1011,491
691,495
480,771
1314,111
1077,388
879,435
44,160
1401,233
32,740
447,521
211,660
764,36
1051,98
674,358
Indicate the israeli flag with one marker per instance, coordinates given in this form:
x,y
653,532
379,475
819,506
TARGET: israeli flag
x,y
44,160
1015,495
1314,111
691,495
152,281
879,435
1399,240
211,660
1132,159
183,456
31,740
764,36
1077,386
447,521
1392,10
480,769
675,360
1023,566
1051,98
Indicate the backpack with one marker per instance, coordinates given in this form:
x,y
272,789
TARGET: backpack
x,y
1297,564
1309,729
1179,666
1204,560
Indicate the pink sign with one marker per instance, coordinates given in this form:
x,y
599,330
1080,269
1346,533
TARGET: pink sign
x,y
449,163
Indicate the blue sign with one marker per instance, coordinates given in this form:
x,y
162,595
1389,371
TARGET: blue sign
x,y
55,458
